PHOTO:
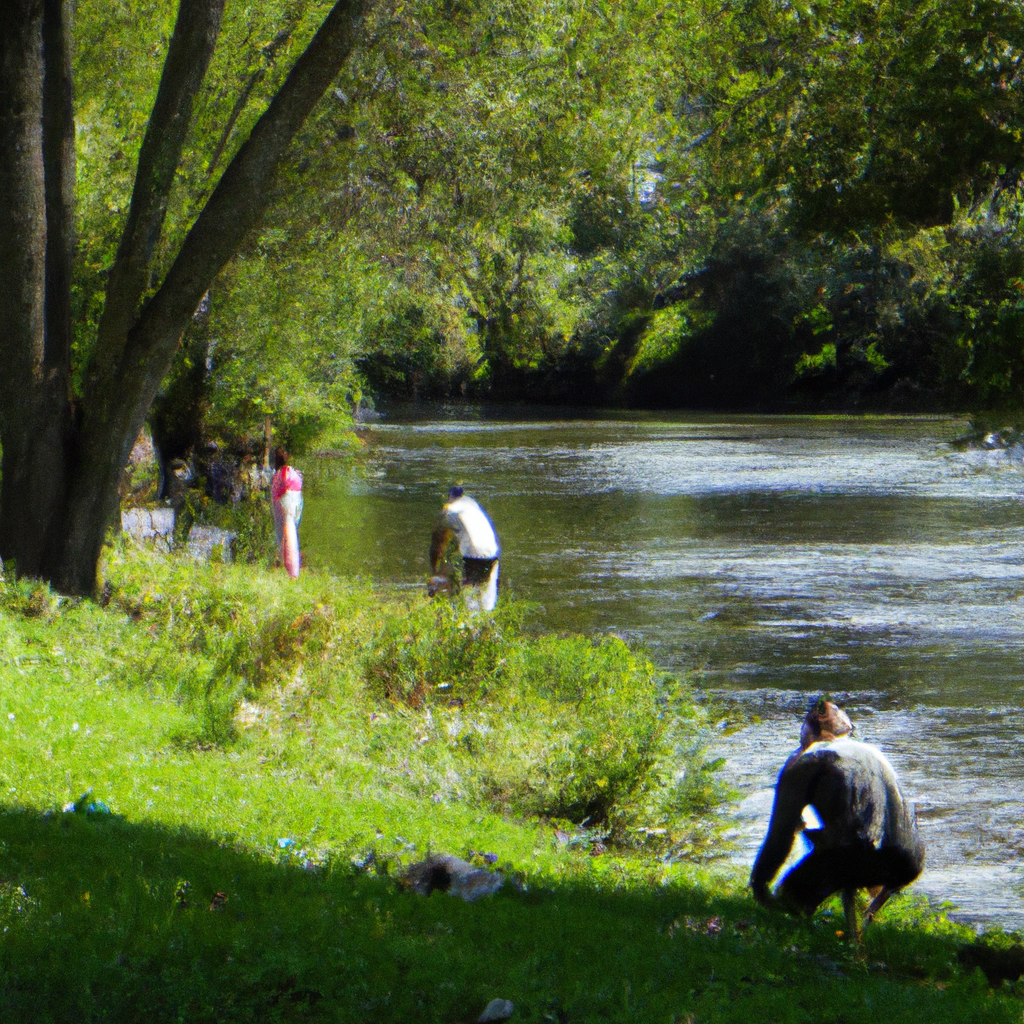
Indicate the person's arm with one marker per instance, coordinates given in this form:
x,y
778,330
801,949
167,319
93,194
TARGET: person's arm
x,y
439,542
791,792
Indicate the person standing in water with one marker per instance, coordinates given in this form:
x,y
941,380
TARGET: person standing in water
x,y
465,521
286,500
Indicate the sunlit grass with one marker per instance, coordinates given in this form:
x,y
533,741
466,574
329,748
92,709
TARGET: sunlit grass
x,y
237,728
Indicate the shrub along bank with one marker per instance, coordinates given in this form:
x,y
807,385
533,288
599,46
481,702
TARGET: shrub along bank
x,y
212,779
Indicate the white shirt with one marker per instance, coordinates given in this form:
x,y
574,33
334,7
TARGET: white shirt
x,y
472,529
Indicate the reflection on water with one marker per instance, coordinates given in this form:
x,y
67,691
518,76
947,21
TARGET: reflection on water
x,y
781,557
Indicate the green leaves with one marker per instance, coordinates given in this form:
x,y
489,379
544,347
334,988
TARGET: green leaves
x,y
493,196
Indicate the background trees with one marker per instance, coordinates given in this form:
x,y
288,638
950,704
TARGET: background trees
x,y
751,203
741,204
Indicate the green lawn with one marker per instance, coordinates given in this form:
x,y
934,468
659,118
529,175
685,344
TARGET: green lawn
x,y
233,725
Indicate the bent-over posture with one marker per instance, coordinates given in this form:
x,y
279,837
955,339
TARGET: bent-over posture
x,y
463,519
868,836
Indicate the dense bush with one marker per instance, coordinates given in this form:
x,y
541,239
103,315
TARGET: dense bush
x,y
568,728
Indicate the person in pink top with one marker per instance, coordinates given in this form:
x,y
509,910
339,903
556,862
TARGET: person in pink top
x,y
286,500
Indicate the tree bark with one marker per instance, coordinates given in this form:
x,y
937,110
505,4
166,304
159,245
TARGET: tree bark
x,y
188,57
61,471
36,142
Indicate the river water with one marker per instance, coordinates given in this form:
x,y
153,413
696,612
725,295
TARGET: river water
x,y
778,556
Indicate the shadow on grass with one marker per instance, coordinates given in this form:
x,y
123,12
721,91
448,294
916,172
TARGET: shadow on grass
x,y
107,920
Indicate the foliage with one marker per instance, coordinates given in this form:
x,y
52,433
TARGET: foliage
x,y
533,200
439,652
566,728
250,519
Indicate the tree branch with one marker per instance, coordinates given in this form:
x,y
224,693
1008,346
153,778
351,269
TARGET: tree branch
x,y
244,190
188,57
269,54
116,401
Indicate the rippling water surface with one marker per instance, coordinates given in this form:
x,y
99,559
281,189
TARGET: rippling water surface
x,y
781,557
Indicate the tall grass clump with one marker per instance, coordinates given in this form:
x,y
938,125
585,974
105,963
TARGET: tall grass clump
x,y
217,635
583,732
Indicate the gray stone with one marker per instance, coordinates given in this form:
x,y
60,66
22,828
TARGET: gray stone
x,y
153,525
452,875
496,1009
209,543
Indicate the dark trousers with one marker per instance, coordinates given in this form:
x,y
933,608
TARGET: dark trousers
x,y
476,571
825,872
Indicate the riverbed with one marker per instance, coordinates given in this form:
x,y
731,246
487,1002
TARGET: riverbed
x,y
775,557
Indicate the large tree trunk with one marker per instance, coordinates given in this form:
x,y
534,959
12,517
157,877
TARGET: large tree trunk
x,y
36,183
62,463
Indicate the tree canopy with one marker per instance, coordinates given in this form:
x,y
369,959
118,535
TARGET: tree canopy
x,y
69,413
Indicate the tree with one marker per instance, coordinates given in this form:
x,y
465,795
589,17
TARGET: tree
x,y
835,168
476,133
65,447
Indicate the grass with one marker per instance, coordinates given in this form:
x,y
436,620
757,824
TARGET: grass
x,y
257,741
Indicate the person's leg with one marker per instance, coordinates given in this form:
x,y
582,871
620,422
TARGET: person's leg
x,y
850,913
290,502
489,591
877,903
810,883
278,523
480,583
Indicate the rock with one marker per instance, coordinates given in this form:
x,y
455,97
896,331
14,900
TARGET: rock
x,y
452,875
155,525
364,412
209,543
496,1009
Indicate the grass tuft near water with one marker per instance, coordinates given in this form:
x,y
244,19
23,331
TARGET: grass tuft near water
x,y
212,779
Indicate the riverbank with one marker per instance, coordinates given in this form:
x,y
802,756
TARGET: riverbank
x,y
266,759
782,556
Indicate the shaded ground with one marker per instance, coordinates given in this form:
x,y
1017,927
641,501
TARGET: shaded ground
x,y
106,919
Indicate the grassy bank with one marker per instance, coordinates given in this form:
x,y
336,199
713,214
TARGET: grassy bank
x,y
272,755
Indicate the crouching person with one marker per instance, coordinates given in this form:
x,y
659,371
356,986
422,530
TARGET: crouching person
x,y
465,522
866,835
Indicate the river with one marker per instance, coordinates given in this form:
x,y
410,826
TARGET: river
x,y
778,556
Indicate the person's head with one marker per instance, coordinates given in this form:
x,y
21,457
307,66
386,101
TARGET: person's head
x,y
280,458
455,492
825,721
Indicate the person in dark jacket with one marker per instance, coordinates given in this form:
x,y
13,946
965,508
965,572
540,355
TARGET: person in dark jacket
x,y
866,832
